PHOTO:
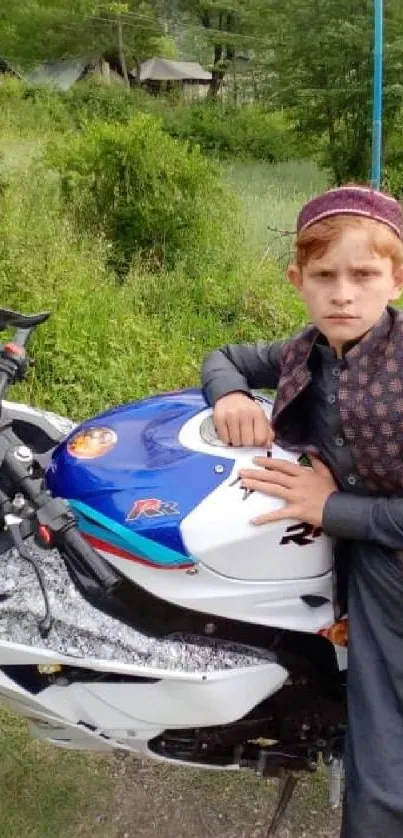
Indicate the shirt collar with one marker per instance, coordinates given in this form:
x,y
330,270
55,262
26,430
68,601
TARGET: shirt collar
x,y
352,347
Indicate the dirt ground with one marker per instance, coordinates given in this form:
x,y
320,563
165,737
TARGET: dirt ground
x,y
153,799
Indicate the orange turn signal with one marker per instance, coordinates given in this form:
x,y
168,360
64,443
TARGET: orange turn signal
x,y
337,633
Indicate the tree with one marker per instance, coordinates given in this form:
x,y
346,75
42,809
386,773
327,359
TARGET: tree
x,y
228,27
323,57
32,31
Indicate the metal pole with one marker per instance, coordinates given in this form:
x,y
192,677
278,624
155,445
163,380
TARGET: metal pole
x,y
377,96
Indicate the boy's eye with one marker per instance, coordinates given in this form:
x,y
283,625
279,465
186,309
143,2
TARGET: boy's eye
x,y
364,273
323,275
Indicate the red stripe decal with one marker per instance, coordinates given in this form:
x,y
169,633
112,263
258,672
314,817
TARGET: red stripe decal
x,y
106,547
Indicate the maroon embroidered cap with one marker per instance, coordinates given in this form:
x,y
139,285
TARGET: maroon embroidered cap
x,y
353,200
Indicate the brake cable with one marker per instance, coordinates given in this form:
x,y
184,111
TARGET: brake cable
x,y
13,526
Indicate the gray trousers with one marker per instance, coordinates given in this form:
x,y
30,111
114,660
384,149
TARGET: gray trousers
x,y
373,806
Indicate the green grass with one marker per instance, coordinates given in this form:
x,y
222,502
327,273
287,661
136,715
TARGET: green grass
x,y
44,792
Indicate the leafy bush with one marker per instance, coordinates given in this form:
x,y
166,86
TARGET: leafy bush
x,y
107,343
249,131
11,89
31,109
90,101
48,105
12,106
146,193
224,131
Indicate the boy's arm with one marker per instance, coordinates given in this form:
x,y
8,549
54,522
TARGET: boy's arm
x,y
241,368
365,519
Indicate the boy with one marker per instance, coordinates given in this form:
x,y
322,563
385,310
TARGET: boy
x,y
340,397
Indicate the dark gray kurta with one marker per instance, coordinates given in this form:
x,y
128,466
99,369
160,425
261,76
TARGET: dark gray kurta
x,y
374,528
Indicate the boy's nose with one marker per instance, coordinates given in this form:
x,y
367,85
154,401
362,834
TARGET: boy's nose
x,y
342,293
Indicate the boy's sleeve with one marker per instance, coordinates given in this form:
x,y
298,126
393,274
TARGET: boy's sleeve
x,y
365,519
241,367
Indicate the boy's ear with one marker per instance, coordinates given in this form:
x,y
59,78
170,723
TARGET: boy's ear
x,y
398,280
295,276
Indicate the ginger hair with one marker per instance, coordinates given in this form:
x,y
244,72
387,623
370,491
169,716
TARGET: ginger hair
x,y
314,241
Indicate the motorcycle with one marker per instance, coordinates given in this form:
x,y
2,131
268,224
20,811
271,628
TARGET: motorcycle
x,y
139,607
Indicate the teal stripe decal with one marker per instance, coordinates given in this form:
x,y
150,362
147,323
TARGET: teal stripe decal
x,y
122,537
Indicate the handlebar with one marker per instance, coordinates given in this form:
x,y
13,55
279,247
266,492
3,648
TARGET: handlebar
x,y
53,514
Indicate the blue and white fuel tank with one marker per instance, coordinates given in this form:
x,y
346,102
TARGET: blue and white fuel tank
x,y
154,490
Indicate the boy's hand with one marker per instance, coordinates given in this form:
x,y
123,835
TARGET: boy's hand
x,y
240,421
305,490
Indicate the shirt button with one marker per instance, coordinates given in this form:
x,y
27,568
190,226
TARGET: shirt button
x,y
331,398
352,479
339,441
336,372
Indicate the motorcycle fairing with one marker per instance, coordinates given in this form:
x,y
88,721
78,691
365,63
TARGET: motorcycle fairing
x,y
131,713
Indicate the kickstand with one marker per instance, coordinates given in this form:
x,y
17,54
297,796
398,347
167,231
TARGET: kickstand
x,y
286,790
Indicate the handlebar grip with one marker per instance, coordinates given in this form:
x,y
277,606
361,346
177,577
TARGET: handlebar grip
x,y
79,549
14,362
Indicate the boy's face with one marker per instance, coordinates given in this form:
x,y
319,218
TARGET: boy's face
x,y
347,289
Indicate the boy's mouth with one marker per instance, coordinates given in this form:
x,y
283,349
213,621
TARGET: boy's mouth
x,y
341,317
